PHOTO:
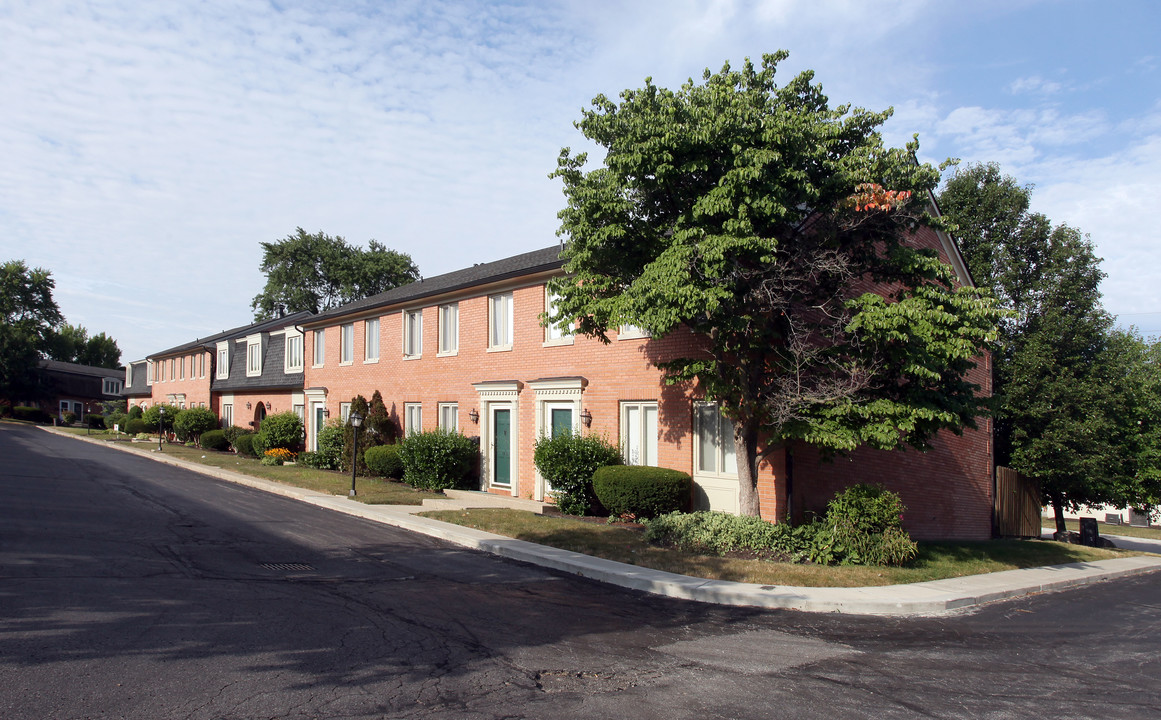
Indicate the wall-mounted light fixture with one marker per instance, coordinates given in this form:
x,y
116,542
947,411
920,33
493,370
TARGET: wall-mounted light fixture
x,y
267,404
326,412
248,406
587,417
474,416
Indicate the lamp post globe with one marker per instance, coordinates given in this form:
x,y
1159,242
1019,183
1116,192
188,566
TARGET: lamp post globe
x,y
356,421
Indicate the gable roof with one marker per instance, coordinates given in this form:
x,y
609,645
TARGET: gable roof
x,y
528,263
241,331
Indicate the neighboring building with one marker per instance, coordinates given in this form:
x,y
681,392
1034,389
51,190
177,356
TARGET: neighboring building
x,y
80,389
465,351
240,374
137,389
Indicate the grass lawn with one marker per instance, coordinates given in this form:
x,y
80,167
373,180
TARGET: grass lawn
x,y
1152,533
370,490
626,543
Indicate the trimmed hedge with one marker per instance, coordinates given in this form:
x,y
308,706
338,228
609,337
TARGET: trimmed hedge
x,y
135,426
32,414
384,461
568,462
69,418
642,490
437,460
215,440
281,430
244,445
95,421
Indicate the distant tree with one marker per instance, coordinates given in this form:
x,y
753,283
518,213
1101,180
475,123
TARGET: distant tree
x,y
29,314
1076,402
316,272
749,214
71,343
380,427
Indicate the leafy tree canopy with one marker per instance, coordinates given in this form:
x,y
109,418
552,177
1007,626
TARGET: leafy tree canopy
x,y
752,215
28,314
71,343
316,272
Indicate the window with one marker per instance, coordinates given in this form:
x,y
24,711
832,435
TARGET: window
x,y
449,417
172,370
253,357
293,352
227,414
181,368
300,411
371,343
223,360
129,375
344,411
201,364
632,332
500,322
553,335
111,386
149,373
412,419
639,432
449,329
715,441
347,348
412,333
319,347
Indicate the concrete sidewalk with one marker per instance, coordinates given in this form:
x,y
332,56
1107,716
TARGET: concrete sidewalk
x,y
917,599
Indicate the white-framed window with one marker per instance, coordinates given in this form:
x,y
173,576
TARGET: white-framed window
x,y
293,352
320,347
713,448
449,417
300,411
223,360
344,411
129,375
500,316
111,386
201,364
181,368
412,419
553,334
371,341
227,414
449,329
632,332
149,372
412,333
347,347
639,432
253,356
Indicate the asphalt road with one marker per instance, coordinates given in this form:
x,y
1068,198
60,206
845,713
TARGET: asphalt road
x,y
132,589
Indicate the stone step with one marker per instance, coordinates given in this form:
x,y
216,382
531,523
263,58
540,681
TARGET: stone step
x,y
464,499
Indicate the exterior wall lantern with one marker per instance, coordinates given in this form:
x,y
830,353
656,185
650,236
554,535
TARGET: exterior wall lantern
x,y
474,416
586,417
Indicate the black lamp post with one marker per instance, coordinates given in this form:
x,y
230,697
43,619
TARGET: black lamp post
x,y
356,420
160,427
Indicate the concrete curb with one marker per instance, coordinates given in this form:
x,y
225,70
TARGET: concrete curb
x,y
937,597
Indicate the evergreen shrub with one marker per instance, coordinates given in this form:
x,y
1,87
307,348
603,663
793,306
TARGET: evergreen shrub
x,y
69,417
190,423
215,440
568,462
330,446
135,412
244,445
31,414
95,421
866,525
437,460
642,491
135,426
384,461
281,430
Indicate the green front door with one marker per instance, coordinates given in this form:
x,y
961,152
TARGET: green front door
x,y
501,447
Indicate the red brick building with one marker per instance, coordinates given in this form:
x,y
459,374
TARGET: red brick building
x,y
466,351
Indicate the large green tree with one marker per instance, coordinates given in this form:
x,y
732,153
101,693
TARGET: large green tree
x,y
1074,409
757,217
316,272
29,314
71,343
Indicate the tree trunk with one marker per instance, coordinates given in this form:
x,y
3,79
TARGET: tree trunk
x,y
1058,510
746,452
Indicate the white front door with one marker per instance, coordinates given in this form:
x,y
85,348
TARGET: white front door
x,y
715,467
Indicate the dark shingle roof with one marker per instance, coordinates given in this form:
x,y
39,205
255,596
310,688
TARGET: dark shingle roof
x,y
75,369
140,386
524,264
273,375
79,380
242,331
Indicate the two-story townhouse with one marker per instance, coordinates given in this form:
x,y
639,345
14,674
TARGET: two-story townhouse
x,y
179,376
466,351
79,389
138,388
258,370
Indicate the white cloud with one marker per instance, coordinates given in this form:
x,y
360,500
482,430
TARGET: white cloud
x,y
1034,84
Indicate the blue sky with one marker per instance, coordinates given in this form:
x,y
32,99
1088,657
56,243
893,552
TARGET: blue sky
x,y
146,149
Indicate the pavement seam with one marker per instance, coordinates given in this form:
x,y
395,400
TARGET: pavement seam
x,y
933,597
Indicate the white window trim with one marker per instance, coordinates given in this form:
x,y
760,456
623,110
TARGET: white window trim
x,y
624,425
318,347
289,337
632,332
565,338
552,393
443,407
719,459
344,411
442,351
412,353
254,344
343,329
509,320
411,410
223,367
499,395
368,337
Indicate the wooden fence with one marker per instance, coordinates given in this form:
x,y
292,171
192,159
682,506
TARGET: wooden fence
x,y
1017,504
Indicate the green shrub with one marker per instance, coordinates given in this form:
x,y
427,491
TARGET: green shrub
x,y
358,405
281,430
118,420
717,533
866,525
437,460
244,445
312,460
143,436
31,414
69,418
330,445
135,412
384,461
135,426
641,490
95,421
215,440
190,423
568,462
150,416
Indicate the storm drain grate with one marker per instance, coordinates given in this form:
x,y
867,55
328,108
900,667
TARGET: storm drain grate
x,y
288,567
